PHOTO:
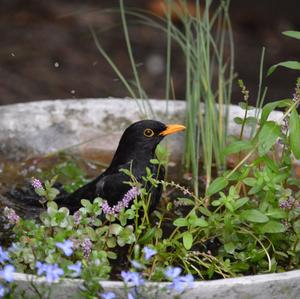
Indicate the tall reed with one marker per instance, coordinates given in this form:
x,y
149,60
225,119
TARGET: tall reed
x,y
207,46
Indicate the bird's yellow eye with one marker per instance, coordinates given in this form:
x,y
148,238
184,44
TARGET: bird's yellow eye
x,y
148,133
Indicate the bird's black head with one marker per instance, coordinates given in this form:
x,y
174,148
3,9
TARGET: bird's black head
x,y
140,139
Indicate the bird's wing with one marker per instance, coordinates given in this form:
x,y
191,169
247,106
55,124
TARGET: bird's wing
x,y
112,187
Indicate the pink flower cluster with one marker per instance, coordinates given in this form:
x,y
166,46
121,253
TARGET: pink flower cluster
x,y
86,247
36,183
124,203
289,204
11,215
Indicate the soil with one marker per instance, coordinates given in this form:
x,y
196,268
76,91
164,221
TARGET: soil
x,y
47,51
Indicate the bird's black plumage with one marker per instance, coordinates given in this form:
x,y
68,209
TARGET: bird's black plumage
x,y
135,150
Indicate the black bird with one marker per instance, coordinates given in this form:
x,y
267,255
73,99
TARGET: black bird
x,y
135,150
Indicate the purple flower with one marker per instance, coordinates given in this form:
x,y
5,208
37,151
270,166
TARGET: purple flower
x,y
11,215
287,204
122,204
36,184
77,217
87,247
76,268
133,277
66,247
149,252
130,296
108,295
2,290
3,255
41,268
181,282
172,272
53,272
7,273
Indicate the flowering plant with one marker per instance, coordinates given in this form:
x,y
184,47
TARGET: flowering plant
x,y
247,221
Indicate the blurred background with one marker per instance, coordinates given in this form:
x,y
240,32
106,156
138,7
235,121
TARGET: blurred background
x,y
47,50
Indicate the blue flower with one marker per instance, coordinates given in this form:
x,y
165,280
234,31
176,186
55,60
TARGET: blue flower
x,y
76,268
108,295
133,277
149,252
7,273
66,247
2,291
130,296
53,272
181,282
41,268
3,255
172,272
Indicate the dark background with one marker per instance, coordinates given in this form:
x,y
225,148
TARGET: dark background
x,y
47,51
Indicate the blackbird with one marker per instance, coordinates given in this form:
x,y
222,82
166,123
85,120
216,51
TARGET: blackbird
x,y
135,150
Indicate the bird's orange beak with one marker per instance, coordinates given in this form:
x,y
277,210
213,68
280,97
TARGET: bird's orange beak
x,y
171,129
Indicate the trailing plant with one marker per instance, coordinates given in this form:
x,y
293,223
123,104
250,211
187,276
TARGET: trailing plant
x,y
247,222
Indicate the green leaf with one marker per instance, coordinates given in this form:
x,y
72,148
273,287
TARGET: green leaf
x,y
296,227
238,120
297,247
291,64
254,216
111,242
86,203
187,238
205,211
51,211
115,229
148,236
52,204
40,191
201,222
180,222
216,203
154,161
293,34
273,227
250,181
267,137
240,202
251,121
295,133
229,247
243,105
111,255
238,146
268,108
217,185
276,213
